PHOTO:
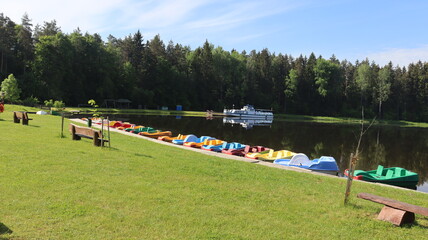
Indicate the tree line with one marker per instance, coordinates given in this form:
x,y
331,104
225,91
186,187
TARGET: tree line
x,y
76,67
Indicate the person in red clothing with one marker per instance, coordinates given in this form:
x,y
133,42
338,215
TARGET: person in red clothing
x,y
2,102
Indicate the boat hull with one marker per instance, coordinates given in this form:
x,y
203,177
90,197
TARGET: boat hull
x,y
325,164
396,176
249,116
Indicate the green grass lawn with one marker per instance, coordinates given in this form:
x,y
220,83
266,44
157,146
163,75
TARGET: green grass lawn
x,y
56,188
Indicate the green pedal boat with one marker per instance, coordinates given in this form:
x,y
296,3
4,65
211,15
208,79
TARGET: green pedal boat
x,y
393,176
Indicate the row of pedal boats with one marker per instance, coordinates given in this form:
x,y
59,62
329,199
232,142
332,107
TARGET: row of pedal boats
x,y
393,176
208,143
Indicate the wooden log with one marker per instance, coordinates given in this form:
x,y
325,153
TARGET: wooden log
x,y
395,216
394,203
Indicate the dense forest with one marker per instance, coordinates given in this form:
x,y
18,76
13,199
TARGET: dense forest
x,y
76,67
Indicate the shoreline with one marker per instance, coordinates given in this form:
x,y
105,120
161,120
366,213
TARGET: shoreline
x,y
277,117
237,158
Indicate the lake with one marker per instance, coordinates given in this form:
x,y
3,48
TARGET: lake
x,y
381,145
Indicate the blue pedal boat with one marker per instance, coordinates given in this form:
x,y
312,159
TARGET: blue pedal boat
x,y
324,163
224,146
189,138
194,139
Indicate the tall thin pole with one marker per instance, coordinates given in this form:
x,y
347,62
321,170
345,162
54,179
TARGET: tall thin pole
x,y
62,125
102,131
108,131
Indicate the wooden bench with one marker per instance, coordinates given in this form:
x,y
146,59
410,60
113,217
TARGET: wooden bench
x,y
394,211
77,132
17,116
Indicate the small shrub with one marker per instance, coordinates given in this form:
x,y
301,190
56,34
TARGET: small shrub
x,y
58,104
31,101
94,104
49,103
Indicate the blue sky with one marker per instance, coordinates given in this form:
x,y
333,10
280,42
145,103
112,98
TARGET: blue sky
x,y
381,30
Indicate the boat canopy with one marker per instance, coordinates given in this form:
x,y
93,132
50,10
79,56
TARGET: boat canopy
x,y
300,159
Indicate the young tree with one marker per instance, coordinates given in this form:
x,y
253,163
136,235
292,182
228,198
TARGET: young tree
x,y
364,80
383,89
290,85
10,87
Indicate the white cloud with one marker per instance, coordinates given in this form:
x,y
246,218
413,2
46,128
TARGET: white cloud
x,y
86,14
110,16
400,56
236,14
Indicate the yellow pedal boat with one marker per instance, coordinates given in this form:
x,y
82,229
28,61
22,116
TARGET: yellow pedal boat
x,y
255,155
273,155
129,127
169,138
205,142
155,134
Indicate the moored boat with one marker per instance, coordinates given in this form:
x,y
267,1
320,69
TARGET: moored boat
x,y
131,128
188,138
248,111
256,152
155,134
206,142
273,155
141,129
225,147
324,163
393,176
124,126
192,138
215,146
170,139
247,149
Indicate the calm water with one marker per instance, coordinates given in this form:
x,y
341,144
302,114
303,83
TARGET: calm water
x,y
387,146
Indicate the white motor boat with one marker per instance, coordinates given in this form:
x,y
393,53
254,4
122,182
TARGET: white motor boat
x,y
248,111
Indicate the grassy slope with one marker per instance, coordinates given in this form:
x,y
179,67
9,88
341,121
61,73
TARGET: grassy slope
x,y
56,188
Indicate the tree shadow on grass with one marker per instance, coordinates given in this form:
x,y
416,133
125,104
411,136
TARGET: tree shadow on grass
x,y
34,126
353,205
4,229
136,154
142,155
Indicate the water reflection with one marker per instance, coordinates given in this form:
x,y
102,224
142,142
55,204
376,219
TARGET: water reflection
x,y
385,145
247,123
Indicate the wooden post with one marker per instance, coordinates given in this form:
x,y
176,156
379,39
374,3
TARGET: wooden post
x,y
95,137
62,125
108,131
102,132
